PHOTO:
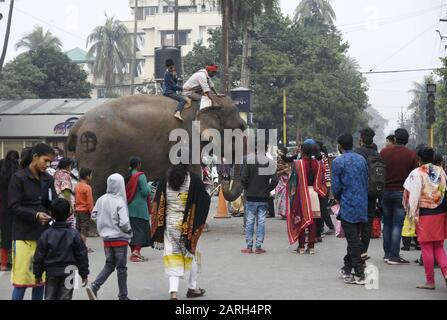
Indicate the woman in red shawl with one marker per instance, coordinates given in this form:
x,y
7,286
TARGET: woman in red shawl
x,y
305,184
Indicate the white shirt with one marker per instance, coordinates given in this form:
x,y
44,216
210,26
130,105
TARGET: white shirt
x,y
199,81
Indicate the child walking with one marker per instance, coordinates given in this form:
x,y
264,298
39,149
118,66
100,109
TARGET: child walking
x,y
112,219
59,250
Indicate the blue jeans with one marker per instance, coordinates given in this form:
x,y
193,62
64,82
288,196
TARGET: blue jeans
x,y
255,211
19,293
181,100
393,221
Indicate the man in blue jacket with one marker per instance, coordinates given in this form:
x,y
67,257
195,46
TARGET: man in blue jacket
x,y
350,188
171,88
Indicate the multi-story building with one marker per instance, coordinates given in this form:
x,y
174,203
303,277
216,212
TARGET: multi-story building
x,y
156,27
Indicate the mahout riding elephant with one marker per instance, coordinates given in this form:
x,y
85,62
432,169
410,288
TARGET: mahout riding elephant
x,y
108,135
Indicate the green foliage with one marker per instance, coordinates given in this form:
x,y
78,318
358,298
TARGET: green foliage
x,y
45,73
321,9
111,49
441,107
327,96
38,39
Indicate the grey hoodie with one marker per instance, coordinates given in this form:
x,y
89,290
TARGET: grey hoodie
x,y
110,213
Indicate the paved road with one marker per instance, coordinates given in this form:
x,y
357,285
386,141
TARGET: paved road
x,y
279,274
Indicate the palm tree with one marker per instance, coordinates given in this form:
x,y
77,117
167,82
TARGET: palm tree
x,y
312,8
39,39
111,49
8,30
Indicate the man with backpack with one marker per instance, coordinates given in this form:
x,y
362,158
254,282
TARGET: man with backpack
x,y
376,182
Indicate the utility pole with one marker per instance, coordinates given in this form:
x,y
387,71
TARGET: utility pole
x,y
8,31
133,68
285,117
176,31
226,46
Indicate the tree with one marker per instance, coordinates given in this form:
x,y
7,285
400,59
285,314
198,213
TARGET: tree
x,y
441,107
45,73
310,62
8,31
321,9
39,39
111,51
21,79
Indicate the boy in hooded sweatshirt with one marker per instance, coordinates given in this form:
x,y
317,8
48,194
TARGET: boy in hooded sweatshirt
x,y
112,219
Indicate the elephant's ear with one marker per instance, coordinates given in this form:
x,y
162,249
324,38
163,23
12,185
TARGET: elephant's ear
x,y
72,142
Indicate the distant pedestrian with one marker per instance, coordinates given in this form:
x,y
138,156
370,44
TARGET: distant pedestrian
x,y
181,208
376,183
60,252
390,141
400,161
305,186
30,193
64,186
8,167
257,190
84,203
322,156
112,219
283,173
350,188
425,201
138,199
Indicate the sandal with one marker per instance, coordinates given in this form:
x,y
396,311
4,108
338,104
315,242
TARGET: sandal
x,y
311,251
301,251
426,287
195,293
135,258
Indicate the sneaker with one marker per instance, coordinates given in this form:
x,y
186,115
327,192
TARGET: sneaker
x,y
319,239
343,273
247,250
359,280
260,251
92,292
348,279
301,251
311,251
330,232
397,261
386,259
124,298
405,248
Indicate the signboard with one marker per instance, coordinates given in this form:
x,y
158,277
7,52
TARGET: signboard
x,y
21,126
243,99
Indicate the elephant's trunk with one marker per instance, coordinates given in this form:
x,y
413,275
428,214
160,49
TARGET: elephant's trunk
x,y
233,192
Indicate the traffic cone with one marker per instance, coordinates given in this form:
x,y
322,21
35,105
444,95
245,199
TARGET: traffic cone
x,y
222,212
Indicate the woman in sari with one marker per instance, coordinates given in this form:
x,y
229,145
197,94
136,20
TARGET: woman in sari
x,y
180,211
281,189
303,207
138,199
425,203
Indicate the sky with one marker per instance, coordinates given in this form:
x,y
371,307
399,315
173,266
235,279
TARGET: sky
x,y
383,35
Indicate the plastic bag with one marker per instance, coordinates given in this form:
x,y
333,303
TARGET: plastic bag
x,y
205,102
339,233
376,230
409,228
372,277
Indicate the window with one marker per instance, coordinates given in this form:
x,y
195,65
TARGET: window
x,y
9,145
167,38
140,14
170,9
150,11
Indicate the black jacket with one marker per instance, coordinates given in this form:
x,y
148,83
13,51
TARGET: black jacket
x,y
58,247
367,151
258,187
26,197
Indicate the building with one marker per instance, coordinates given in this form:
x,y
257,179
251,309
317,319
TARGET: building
x,y
25,123
156,27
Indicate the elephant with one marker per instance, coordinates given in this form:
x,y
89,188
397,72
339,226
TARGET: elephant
x,y
107,136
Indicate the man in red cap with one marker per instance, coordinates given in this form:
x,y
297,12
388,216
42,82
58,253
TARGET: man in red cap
x,y
200,84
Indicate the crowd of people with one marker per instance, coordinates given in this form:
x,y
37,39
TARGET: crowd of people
x,y
45,213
